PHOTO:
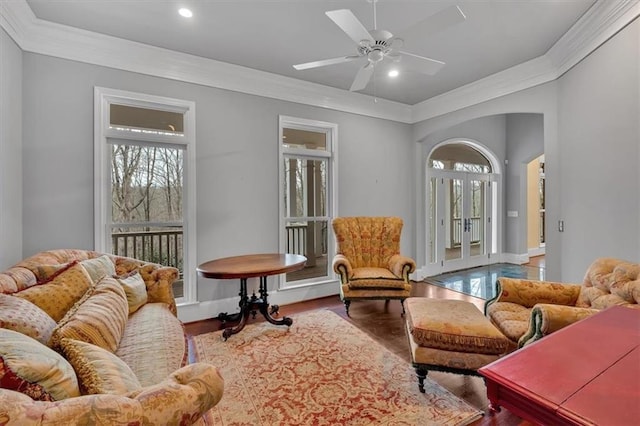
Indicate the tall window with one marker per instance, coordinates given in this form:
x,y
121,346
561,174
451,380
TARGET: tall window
x,y
307,194
145,183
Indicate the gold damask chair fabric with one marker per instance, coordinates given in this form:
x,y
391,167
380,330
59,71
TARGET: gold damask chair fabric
x,y
368,259
525,311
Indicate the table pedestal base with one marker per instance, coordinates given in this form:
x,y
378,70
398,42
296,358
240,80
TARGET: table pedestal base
x,y
248,305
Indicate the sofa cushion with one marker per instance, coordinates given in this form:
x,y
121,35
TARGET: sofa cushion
x,y
99,318
135,289
60,292
98,370
30,367
453,325
24,317
511,319
99,267
153,343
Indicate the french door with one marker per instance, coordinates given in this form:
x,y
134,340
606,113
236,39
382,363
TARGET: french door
x,y
461,232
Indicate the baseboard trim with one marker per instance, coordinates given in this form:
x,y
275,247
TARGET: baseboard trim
x,y
537,251
517,259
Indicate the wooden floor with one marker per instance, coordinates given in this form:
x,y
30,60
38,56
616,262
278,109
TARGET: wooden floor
x,y
383,322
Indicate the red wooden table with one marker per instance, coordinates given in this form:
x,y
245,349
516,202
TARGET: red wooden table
x,y
586,373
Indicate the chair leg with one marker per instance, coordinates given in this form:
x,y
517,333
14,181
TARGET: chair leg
x,y
422,374
402,303
347,303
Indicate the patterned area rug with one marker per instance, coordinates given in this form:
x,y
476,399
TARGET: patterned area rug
x,y
321,371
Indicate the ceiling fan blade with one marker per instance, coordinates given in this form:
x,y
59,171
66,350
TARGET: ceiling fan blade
x,y
348,22
325,62
362,78
447,17
420,64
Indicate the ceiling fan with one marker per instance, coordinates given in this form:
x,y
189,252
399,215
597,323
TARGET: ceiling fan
x,y
378,45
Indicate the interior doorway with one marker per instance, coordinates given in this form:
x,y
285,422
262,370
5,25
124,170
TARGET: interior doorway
x,y
536,238
462,203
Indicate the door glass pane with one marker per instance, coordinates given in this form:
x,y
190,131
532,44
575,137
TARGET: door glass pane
x,y
453,218
147,191
305,187
432,208
308,238
476,221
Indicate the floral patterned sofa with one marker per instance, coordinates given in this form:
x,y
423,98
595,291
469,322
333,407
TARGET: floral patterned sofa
x,y
88,338
525,311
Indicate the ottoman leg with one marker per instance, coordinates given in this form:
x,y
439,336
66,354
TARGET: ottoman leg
x,y
422,374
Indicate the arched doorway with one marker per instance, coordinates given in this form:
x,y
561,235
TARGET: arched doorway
x,y
462,184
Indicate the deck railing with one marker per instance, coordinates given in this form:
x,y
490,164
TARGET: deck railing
x,y
456,230
297,239
163,247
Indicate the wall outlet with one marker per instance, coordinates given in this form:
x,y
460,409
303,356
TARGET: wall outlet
x,y
561,226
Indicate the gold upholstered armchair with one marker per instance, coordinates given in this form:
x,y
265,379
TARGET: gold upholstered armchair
x,y
368,259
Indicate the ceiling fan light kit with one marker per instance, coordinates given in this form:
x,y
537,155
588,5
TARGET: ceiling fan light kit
x,y
379,45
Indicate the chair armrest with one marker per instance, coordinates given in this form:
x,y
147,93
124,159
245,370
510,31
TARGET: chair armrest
x,y
547,318
401,266
159,281
527,292
180,399
342,266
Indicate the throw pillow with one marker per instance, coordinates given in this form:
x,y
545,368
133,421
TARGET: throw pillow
x,y
31,368
99,267
136,291
24,317
46,272
98,370
98,318
57,295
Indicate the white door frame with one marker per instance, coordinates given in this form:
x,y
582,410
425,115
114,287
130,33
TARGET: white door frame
x,y
492,214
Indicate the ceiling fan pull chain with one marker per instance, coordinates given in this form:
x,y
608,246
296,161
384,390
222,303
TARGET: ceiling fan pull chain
x,y
375,85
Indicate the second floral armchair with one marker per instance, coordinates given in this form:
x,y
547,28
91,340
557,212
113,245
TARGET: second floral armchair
x,y
368,259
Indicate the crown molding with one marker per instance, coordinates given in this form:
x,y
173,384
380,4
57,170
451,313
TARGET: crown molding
x,y
48,38
601,22
34,35
15,18
523,76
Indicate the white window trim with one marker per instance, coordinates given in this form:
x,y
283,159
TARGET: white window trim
x,y
331,129
103,97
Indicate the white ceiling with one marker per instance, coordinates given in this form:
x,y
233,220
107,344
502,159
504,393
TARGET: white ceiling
x,y
273,35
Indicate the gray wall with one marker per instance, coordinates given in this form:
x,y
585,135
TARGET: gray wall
x,y
599,149
237,162
525,141
591,147
10,151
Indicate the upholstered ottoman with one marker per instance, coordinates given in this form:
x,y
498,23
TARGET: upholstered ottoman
x,y
452,336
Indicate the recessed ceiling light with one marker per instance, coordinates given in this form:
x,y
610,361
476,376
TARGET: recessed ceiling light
x,y
187,13
393,73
